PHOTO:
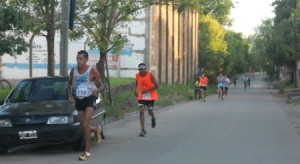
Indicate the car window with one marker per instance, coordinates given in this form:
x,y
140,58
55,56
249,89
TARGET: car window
x,y
20,92
40,90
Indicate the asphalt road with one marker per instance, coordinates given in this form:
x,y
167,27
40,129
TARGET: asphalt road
x,y
253,126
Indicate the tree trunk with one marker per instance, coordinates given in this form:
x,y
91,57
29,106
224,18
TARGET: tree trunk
x,y
50,46
101,68
50,38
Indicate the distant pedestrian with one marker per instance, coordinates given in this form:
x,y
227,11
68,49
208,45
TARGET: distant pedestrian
x,y
245,79
147,85
234,81
249,80
226,85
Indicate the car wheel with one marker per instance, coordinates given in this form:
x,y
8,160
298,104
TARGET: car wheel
x,y
79,145
3,149
103,126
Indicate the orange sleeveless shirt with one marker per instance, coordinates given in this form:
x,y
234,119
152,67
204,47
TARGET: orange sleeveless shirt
x,y
203,82
145,82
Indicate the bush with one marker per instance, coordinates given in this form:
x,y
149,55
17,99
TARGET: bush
x,y
288,85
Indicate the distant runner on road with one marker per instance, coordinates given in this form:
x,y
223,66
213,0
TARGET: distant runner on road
x,y
226,85
203,86
220,81
147,85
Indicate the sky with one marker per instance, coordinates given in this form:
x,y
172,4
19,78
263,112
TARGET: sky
x,y
248,14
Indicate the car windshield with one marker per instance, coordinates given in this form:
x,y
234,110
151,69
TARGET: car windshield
x,y
40,90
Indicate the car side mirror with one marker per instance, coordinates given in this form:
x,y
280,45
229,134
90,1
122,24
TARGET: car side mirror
x,y
1,101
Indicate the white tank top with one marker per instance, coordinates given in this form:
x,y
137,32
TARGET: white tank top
x,y
82,85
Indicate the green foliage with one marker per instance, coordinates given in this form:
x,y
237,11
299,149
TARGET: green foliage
x,y
219,9
212,45
44,17
167,95
118,81
177,89
277,43
13,24
288,85
119,102
238,60
4,93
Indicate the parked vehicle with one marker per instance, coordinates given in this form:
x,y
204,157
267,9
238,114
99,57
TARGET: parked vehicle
x,y
37,111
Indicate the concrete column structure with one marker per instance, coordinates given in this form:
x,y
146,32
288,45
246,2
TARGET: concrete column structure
x,y
174,44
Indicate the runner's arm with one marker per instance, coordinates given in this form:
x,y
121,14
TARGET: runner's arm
x,y
154,82
98,79
135,88
70,86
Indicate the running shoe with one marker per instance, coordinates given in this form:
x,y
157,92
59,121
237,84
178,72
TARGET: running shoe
x,y
97,134
84,156
143,133
204,100
153,122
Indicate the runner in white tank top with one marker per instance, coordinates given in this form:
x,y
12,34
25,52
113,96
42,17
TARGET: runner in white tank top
x,y
86,87
82,85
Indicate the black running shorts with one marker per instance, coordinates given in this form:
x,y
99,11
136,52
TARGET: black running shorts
x,y
82,104
203,87
148,103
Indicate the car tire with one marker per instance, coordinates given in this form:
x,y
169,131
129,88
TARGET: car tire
x,y
3,149
79,145
103,126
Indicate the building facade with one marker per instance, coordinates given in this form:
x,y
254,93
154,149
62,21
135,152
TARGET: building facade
x,y
167,41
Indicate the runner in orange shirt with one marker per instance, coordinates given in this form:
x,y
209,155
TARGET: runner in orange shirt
x,y
147,85
203,86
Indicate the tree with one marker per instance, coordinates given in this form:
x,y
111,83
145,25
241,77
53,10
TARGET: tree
x,y
237,60
212,46
13,24
44,19
99,20
219,9
276,42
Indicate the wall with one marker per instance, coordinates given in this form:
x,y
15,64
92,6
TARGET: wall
x,y
173,45
159,36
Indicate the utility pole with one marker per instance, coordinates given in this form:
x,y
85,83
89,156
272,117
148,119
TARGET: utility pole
x,y
64,37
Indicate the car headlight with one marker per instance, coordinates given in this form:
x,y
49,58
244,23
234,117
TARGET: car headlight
x,y
5,123
60,120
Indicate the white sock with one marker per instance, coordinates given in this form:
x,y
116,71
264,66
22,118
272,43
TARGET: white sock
x,y
88,153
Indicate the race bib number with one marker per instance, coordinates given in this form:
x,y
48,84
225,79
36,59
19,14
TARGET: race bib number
x,y
203,85
82,91
146,95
